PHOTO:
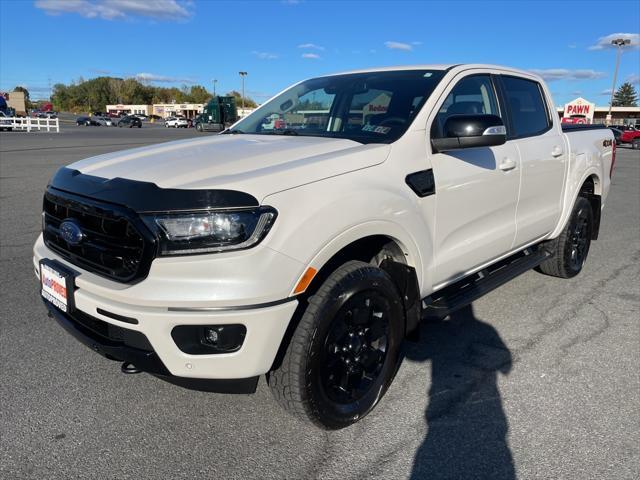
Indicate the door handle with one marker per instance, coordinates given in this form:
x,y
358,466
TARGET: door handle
x,y
557,151
507,164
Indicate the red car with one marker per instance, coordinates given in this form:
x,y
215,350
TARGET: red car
x,y
630,136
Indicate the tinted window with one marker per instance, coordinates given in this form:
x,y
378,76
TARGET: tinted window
x,y
528,110
471,95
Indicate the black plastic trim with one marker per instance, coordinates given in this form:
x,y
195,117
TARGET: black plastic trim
x,y
146,360
115,316
233,308
102,208
190,339
147,197
422,183
572,127
468,289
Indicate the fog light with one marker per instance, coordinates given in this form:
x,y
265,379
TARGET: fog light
x,y
211,335
209,339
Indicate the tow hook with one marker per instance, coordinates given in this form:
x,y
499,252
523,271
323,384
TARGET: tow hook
x,y
129,368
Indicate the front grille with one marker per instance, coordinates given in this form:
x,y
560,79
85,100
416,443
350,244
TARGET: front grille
x,y
113,245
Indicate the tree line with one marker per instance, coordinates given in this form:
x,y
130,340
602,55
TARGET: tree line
x,y
95,94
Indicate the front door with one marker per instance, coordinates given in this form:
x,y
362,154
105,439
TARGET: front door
x,y
476,189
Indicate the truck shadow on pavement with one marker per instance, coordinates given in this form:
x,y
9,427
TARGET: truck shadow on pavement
x,y
466,424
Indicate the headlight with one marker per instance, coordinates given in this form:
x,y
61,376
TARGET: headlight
x,y
210,231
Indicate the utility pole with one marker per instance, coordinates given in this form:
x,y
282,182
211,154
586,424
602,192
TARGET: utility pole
x,y
619,43
214,86
242,75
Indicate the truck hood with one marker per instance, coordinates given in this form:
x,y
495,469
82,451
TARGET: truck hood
x,y
256,164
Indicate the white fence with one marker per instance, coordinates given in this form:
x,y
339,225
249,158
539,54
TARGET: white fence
x,y
29,124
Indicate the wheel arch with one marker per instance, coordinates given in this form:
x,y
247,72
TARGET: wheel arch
x,y
403,264
591,187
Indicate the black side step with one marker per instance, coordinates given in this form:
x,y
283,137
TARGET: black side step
x,y
453,297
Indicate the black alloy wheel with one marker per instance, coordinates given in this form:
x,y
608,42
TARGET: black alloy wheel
x,y
580,238
345,350
355,348
570,249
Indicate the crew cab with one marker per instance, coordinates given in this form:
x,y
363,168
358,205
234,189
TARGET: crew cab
x,y
309,253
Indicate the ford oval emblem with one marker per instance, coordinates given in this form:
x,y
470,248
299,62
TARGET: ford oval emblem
x,y
70,232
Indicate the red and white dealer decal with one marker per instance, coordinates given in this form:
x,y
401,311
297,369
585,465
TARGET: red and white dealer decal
x,y
54,287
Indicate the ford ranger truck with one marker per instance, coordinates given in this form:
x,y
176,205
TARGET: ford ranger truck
x,y
310,252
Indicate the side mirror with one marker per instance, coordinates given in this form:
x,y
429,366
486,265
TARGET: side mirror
x,y
470,131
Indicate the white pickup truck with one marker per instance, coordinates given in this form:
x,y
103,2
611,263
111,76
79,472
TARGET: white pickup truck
x,y
309,252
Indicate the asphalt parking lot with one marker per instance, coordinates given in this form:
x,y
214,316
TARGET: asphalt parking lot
x,y
537,380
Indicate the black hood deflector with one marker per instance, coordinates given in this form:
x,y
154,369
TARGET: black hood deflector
x,y
145,197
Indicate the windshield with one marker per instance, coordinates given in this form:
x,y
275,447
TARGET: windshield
x,y
365,107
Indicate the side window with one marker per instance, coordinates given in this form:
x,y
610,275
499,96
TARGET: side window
x,y
471,95
529,115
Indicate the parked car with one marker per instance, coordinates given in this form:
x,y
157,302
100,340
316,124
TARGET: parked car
x,y
51,114
176,122
130,122
105,121
311,255
5,123
139,115
87,122
155,117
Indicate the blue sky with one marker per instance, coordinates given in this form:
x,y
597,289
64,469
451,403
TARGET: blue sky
x,y
175,42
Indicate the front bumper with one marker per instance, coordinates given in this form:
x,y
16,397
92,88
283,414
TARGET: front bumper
x,y
265,325
127,346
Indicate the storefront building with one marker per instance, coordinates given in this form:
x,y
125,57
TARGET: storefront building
x,y
187,110
583,111
130,109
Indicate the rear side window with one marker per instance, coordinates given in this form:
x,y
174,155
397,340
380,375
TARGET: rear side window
x,y
529,115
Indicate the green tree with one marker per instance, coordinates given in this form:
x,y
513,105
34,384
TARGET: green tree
x,y
61,97
248,102
199,94
625,96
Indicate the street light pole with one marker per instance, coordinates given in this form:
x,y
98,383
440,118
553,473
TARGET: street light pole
x,y
242,75
214,86
619,43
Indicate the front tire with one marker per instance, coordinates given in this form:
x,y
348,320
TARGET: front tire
x,y
571,248
344,351
636,144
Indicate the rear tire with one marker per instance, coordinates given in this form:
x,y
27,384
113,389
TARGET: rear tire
x,y
636,144
571,248
345,350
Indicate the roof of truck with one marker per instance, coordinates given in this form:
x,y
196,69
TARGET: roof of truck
x,y
445,66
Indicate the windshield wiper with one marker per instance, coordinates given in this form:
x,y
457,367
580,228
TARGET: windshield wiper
x,y
232,132
286,131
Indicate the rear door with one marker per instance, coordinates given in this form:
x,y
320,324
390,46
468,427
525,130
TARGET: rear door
x,y
476,188
534,130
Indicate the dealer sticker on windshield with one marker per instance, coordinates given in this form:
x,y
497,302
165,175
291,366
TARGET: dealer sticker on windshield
x,y
374,129
57,285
